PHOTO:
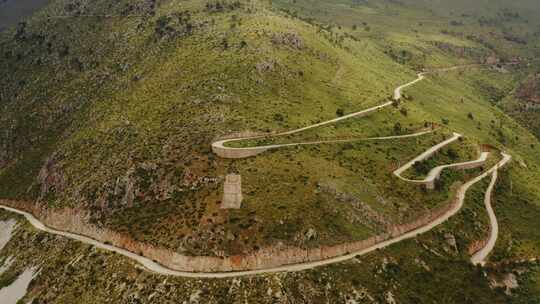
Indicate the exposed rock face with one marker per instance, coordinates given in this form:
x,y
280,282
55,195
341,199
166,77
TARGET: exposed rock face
x,y
232,192
508,282
530,91
6,229
148,181
49,177
129,194
77,221
476,246
311,234
292,40
265,66
389,297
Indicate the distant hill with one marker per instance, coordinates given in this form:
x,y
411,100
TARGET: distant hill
x,y
527,9
13,11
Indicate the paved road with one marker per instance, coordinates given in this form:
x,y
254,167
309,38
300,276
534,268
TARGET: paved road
x,y
435,173
220,145
479,258
426,154
260,149
397,91
221,150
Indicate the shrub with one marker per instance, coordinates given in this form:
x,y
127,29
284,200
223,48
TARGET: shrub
x,y
397,128
421,167
403,111
452,153
279,117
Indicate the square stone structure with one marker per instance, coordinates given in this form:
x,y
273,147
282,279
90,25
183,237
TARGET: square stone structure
x,y
232,192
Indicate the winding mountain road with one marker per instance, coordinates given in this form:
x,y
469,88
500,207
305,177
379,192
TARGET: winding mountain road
x,y
425,155
479,258
435,173
223,151
229,152
219,147
398,90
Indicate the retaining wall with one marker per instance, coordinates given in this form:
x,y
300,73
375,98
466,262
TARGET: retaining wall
x,y
236,153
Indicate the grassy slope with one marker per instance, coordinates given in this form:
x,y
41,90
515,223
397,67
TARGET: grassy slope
x,y
191,89
157,103
149,109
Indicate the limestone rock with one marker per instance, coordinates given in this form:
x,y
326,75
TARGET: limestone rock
x,y
265,66
292,40
311,234
508,282
451,241
389,297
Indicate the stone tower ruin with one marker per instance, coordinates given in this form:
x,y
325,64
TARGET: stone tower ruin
x,y
232,192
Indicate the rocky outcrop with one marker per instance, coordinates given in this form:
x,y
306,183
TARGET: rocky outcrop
x,y
292,40
6,229
508,282
492,59
529,91
476,246
451,241
265,66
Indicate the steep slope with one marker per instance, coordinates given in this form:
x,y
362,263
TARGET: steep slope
x,y
122,135
109,111
127,136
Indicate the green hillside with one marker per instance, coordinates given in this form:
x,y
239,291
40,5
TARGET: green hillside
x,y
110,109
